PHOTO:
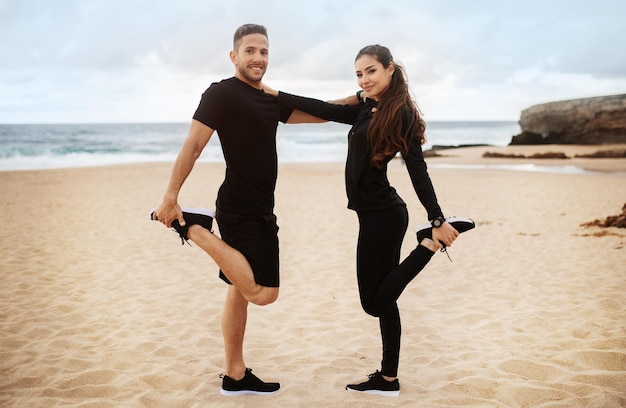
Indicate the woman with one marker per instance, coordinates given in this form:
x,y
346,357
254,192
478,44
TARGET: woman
x,y
384,123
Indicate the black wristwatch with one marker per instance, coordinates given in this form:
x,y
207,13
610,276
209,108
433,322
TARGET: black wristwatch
x,y
437,222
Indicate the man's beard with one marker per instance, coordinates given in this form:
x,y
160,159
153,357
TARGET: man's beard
x,y
245,74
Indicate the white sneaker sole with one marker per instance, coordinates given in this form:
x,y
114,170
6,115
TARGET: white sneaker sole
x,y
245,392
378,392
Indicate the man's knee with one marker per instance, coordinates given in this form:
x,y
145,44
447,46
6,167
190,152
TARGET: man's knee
x,y
264,297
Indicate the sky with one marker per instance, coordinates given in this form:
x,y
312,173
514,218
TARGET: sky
x,y
104,61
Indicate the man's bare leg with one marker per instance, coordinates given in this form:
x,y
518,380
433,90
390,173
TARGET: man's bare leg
x,y
233,329
234,265
243,290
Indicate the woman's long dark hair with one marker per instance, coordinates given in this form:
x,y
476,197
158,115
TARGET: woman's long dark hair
x,y
384,134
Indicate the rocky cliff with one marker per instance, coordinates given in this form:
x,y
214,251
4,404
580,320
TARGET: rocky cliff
x,y
598,120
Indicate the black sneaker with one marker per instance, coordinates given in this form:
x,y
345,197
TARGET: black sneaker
x,y
377,385
250,384
460,224
193,216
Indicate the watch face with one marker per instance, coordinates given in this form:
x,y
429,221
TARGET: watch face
x,y
437,223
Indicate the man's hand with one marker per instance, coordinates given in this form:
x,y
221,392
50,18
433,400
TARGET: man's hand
x,y
167,212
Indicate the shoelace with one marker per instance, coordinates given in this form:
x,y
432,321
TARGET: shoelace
x,y
183,240
445,251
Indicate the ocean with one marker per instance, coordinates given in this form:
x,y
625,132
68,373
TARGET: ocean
x,y
39,146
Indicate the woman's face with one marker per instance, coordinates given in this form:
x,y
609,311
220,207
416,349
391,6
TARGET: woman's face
x,y
372,77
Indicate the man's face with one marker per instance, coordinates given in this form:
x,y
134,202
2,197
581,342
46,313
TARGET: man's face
x,y
251,58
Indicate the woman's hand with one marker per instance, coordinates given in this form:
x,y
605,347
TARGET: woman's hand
x,y
269,90
445,235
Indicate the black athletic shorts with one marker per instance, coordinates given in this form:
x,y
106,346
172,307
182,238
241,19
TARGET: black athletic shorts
x,y
256,237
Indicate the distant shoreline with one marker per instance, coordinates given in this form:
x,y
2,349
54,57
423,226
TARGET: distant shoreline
x,y
594,158
539,158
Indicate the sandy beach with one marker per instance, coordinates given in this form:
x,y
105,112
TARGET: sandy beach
x,y
102,307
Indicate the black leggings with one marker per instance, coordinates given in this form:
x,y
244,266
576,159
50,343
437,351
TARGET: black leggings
x,y
381,276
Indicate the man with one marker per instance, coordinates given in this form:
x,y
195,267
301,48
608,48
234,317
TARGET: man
x,y
247,254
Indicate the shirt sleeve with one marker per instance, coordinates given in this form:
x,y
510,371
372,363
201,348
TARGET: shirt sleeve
x,y
335,113
418,172
211,109
285,112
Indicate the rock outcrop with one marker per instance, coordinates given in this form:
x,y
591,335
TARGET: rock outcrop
x,y
599,120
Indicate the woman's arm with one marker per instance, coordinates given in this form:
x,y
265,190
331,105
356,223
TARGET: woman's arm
x,y
296,116
423,186
336,113
416,166
349,100
310,110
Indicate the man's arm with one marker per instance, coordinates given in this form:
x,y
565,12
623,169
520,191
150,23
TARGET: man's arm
x,y
302,117
197,138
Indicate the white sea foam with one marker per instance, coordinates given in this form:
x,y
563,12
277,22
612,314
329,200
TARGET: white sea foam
x,y
24,147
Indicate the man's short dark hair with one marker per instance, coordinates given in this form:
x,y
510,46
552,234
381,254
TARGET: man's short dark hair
x,y
247,29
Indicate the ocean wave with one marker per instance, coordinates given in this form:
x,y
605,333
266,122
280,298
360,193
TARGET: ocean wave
x,y
31,147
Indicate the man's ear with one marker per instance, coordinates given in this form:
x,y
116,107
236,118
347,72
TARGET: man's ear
x,y
233,57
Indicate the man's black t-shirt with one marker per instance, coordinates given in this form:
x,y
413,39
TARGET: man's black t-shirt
x,y
245,119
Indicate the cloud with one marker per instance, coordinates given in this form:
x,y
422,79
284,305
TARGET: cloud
x,y
144,60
